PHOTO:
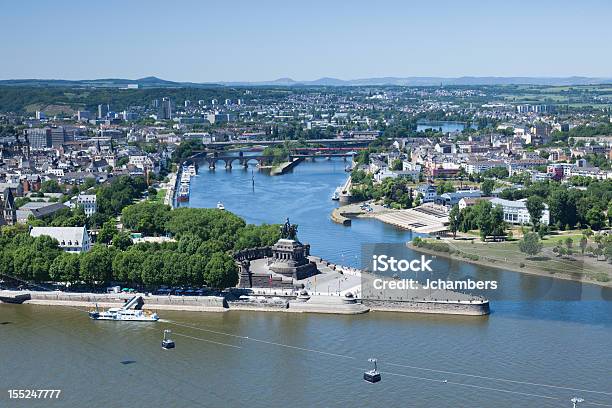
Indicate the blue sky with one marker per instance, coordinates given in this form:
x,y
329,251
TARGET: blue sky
x,y
263,40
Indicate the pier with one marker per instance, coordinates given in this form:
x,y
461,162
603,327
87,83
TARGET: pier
x,y
425,219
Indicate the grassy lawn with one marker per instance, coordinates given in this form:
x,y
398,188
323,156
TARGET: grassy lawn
x,y
507,254
159,197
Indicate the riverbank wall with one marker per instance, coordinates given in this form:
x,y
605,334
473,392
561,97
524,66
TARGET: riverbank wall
x,y
152,302
340,217
465,308
285,167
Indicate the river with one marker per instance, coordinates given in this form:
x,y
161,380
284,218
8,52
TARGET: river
x,y
563,343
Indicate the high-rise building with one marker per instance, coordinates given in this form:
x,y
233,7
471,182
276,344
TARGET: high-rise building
x,y
165,109
39,138
83,115
58,136
103,110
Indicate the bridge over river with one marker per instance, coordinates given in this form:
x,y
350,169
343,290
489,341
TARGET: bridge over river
x,y
263,160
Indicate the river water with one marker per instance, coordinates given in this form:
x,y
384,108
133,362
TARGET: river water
x,y
532,343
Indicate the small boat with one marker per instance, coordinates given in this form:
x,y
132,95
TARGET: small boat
x,y
220,206
167,342
130,311
336,195
191,170
372,376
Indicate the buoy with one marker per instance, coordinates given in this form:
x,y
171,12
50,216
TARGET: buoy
x,y
372,376
167,343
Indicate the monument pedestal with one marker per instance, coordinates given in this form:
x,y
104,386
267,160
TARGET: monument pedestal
x,y
290,258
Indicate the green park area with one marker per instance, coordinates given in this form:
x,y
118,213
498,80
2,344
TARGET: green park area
x,y
570,255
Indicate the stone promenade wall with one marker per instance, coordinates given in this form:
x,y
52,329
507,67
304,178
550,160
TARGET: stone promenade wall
x,y
462,308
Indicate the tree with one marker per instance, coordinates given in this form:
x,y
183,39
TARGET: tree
x,y
32,257
127,266
488,219
583,244
97,264
146,217
107,232
535,207
206,223
454,220
50,186
122,241
595,218
65,268
253,236
221,271
530,244
445,187
487,187
397,165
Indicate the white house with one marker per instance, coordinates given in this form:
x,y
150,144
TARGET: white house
x,y
71,239
427,191
88,203
515,212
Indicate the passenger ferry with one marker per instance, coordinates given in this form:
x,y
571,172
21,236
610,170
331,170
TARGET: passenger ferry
x,y
126,313
220,206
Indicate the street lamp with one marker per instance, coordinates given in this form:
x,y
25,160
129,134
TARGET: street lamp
x,y
576,400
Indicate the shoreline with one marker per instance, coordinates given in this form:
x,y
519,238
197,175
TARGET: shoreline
x,y
510,267
216,304
338,215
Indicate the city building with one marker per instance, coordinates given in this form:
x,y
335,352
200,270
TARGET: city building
x,y
88,203
165,109
39,138
7,204
428,193
83,115
37,210
70,239
58,136
515,212
103,110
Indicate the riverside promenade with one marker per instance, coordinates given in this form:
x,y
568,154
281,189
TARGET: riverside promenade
x,y
105,300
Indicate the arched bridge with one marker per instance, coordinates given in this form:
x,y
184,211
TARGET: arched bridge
x,y
265,160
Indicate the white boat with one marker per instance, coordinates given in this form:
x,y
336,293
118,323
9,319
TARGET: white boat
x,y
220,206
126,313
336,195
191,170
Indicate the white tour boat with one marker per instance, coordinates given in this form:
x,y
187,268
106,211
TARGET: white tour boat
x,y
126,313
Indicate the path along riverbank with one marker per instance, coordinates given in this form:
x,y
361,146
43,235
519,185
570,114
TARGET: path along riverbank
x,y
280,301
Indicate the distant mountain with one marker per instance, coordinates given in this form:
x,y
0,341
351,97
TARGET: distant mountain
x,y
154,82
